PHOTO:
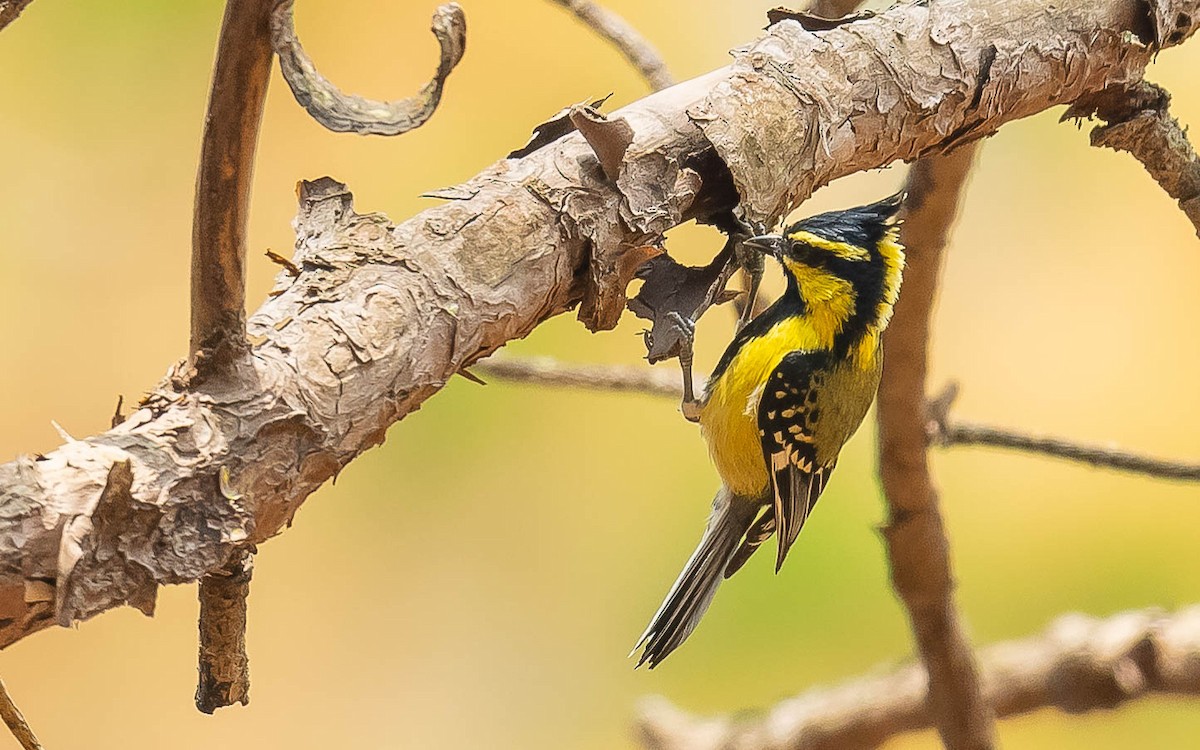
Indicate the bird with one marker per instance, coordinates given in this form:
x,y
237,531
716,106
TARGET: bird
x,y
791,388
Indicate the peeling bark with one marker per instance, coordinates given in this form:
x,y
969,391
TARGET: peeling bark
x,y
1079,664
382,315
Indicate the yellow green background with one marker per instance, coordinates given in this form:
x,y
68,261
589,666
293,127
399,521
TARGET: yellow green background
x,y
478,580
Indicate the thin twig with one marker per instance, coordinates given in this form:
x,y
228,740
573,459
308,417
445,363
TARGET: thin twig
x,y
916,539
218,336
942,428
16,721
10,9
224,666
1078,664
347,113
235,106
1138,121
549,371
640,53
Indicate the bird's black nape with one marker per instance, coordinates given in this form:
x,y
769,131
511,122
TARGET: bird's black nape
x,y
862,226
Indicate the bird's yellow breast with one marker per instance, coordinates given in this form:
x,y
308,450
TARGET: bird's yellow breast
x,y
729,416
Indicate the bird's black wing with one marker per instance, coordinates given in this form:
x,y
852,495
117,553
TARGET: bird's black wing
x,y
788,411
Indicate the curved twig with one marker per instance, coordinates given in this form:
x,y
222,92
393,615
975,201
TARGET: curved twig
x,y
235,107
640,52
349,113
1078,664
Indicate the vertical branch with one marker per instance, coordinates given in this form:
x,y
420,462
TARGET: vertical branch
x,y
218,331
224,666
235,107
916,538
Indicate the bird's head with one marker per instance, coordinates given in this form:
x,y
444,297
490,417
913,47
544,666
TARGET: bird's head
x,y
836,241
847,263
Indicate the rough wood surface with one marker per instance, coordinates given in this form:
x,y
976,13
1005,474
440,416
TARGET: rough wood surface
x,y
1079,664
382,314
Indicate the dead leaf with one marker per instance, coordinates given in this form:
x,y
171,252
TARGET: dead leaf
x,y
554,128
669,287
609,139
812,22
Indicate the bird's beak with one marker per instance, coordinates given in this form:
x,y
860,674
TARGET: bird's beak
x,y
771,244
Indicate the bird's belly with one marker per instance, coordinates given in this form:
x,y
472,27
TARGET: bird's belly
x,y
729,417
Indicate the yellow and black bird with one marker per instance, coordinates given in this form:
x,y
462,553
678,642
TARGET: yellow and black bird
x,y
790,390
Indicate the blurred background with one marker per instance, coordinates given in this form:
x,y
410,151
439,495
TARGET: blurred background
x,y
478,580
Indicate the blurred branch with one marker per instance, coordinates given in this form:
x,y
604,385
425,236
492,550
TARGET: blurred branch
x,y
945,430
549,371
10,9
1078,664
942,428
15,721
628,40
347,113
235,107
1138,121
382,315
918,549
218,335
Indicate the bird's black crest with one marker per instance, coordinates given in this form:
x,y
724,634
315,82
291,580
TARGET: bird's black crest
x,y
862,227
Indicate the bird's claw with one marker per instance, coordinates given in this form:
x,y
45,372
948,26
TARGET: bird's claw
x,y
690,405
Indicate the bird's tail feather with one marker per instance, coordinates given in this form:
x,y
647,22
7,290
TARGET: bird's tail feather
x,y
693,591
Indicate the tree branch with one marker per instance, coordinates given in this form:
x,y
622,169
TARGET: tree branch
x,y
218,336
945,430
224,665
942,428
916,539
382,315
235,107
628,40
1138,120
1079,664
10,9
15,721
347,113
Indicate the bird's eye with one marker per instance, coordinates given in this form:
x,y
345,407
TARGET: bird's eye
x,y
827,246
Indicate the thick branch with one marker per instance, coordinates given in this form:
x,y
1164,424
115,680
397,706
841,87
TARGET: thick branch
x,y
916,540
381,315
235,106
635,47
1079,664
347,113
